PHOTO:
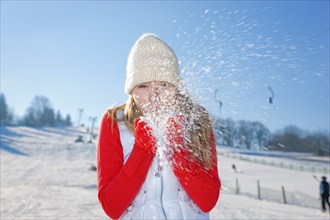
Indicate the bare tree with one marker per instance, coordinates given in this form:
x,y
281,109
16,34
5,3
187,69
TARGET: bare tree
x,y
229,132
245,133
40,113
261,134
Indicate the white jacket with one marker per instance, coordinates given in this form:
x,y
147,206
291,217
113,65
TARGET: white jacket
x,y
161,195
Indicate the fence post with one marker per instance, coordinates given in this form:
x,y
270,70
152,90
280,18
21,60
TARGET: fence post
x,y
283,193
258,185
237,186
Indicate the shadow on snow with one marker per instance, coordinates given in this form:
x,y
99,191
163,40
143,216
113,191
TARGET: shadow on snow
x,y
12,150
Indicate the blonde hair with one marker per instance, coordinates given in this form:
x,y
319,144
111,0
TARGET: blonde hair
x,y
198,141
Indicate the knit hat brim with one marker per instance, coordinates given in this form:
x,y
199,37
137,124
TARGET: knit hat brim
x,y
152,74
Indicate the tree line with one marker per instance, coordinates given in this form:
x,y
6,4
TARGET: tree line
x,y
39,113
242,133
255,135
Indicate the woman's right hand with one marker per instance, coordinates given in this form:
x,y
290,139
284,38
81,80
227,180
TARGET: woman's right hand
x,y
143,136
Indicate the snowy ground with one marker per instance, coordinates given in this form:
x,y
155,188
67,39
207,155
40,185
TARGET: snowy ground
x,y
45,175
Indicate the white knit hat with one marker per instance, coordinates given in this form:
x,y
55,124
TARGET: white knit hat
x,y
151,59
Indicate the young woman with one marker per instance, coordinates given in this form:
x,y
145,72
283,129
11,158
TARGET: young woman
x,y
156,153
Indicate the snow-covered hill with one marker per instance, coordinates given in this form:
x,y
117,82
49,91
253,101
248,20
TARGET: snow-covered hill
x,y
46,175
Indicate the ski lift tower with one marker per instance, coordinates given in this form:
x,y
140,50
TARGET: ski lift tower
x,y
92,119
218,101
220,119
80,111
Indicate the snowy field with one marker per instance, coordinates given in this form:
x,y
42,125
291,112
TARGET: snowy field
x,y
46,175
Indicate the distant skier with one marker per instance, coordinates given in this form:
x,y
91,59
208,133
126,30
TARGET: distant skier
x,y
324,192
234,168
79,139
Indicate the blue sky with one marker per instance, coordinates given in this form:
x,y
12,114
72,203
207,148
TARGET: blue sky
x,y
75,53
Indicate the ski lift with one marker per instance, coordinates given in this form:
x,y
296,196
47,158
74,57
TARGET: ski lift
x,y
218,101
270,99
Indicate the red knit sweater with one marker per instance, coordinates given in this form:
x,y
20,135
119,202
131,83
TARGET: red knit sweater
x,y
119,183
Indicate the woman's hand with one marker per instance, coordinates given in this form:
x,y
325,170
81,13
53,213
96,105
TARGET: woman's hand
x,y
175,132
143,136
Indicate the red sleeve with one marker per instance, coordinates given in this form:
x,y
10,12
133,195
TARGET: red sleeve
x,y
202,185
118,183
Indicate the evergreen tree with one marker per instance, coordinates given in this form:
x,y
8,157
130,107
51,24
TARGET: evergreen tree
x,y
67,121
3,109
6,115
59,119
